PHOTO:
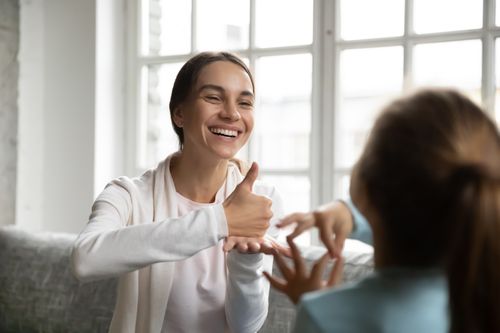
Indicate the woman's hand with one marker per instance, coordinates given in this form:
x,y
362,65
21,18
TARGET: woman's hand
x,y
247,214
297,281
334,221
266,245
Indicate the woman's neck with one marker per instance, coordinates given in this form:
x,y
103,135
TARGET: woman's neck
x,y
197,179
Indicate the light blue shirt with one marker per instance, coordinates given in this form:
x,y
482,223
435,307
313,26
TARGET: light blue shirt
x,y
391,300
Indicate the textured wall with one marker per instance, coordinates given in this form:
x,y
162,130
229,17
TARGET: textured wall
x,y
9,46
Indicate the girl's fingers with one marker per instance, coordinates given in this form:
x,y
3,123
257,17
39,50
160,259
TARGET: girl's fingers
x,y
282,265
336,273
299,229
266,248
319,268
297,258
326,236
276,282
339,243
290,219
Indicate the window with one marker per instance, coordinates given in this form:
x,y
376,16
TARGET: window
x,y
323,70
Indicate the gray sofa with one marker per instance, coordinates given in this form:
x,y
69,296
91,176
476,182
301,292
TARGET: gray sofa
x,y
38,292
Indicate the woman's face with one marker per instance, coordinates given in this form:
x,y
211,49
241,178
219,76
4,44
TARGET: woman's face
x,y
217,117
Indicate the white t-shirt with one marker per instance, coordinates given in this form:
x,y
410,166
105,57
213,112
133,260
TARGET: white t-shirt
x,y
197,297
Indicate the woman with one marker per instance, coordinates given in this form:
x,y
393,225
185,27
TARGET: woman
x,y
428,182
163,233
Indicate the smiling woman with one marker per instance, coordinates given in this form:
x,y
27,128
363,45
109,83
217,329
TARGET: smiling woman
x,y
195,228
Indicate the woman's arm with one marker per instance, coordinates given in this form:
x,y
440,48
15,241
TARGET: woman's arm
x,y
108,246
247,295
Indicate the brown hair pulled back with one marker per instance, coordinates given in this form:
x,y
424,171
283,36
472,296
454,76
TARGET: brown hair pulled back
x,y
431,170
187,76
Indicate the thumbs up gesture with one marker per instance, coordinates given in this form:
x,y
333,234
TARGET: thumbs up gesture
x,y
247,214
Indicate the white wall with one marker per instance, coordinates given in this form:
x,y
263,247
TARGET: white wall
x,y
9,46
110,92
29,208
57,114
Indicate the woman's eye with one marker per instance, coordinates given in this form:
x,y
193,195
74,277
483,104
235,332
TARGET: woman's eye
x,y
213,98
246,104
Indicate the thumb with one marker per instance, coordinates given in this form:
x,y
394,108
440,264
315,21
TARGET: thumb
x,y
250,177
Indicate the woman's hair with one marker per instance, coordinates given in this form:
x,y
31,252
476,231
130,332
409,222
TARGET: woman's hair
x,y
187,76
431,171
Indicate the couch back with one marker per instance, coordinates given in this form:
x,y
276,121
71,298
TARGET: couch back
x,y
38,292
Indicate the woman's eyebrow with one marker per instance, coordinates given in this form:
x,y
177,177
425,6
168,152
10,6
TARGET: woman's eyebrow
x,y
211,87
247,93
220,89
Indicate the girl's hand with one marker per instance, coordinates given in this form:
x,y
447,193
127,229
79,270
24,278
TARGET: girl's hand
x,y
296,280
334,222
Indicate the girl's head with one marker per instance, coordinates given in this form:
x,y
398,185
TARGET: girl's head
x,y
216,92
431,174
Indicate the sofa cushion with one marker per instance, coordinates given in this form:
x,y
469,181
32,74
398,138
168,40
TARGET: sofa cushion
x,y
38,292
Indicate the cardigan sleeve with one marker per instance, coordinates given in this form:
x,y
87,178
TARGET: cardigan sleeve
x,y
108,246
247,294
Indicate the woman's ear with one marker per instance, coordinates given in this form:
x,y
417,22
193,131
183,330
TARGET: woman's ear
x,y
178,117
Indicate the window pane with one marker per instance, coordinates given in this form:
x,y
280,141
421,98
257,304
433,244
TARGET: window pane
x,y
451,64
342,183
283,22
283,113
447,15
295,192
167,27
497,89
293,189
497,13
158,139
368,78
371,19
222,24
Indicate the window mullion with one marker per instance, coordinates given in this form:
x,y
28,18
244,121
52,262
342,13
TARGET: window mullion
x,y
323,134
194,36
316,140
408,46
488,57
133,85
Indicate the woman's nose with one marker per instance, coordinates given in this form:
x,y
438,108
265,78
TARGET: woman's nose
x,y
230,112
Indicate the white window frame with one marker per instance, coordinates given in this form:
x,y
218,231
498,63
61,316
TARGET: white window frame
x,y
486,34
325,49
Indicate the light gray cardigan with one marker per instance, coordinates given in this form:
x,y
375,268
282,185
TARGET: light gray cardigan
x,y
134,232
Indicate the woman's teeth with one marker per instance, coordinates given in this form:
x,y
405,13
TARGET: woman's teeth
x,y
224,132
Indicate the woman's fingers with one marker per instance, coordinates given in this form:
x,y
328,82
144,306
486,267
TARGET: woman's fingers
x,y
229,244
254,247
